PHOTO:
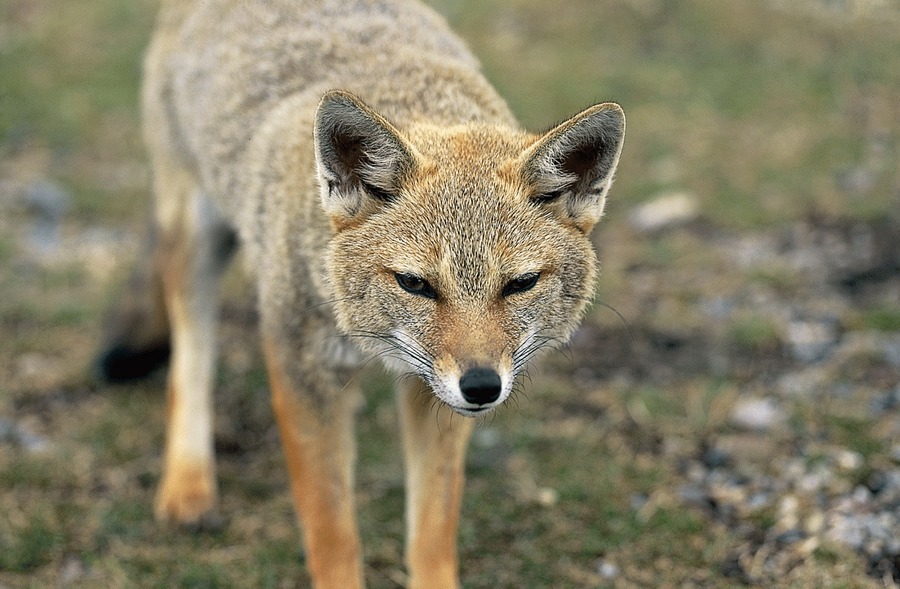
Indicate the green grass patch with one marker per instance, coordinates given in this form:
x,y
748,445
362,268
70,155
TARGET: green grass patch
x,y
26,548
884,319
855,433
28,471
754,332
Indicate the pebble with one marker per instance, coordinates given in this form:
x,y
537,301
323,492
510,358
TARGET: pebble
x,y
811,340
667,210
17,435
715,458
607,569
848,459
889,401
809,381
547,496
791,536
814,523
891,348
694,495
757,414
73,570
48,200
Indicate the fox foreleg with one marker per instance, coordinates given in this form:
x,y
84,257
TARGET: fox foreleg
x,y
434,448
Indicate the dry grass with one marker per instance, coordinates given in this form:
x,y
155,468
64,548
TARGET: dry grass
x,y
763,113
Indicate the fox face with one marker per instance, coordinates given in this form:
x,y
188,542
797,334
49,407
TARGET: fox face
x,y
460,253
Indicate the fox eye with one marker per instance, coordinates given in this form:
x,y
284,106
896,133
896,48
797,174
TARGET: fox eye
x,y
521,283
415,285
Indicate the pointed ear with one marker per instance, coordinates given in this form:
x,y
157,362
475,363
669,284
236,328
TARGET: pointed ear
x,y
570,168
360,158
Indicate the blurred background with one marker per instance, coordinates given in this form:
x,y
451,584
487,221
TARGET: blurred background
x,y
729,415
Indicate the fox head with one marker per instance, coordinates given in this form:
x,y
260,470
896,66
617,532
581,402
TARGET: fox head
x,y
461,252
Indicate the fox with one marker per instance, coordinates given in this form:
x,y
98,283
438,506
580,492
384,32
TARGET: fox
x,y
388,206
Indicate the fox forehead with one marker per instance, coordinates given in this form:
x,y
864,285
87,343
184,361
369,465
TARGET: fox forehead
x,y
477,144
463,216
465,200
467,171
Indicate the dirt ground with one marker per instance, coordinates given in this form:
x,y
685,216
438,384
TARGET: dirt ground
x,y
728,416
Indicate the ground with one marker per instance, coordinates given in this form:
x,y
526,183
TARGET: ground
x,y
728,416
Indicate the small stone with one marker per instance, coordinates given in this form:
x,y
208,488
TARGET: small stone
x,y
808,546
807,382
791,536
72,570
715,458
815,480
607,569
486,438
7,429
17,435
856,181
891,349
811,340
758,501
667,210
33,443
848,459
787,512
547,497
757,414
814,523
694,495
895,453
861,494
885,402
48,200
638,500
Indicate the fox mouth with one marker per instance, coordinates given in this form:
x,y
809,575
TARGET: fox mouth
x,y
472,411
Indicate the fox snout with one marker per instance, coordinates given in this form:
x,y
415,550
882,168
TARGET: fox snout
x,y
480,386
474,390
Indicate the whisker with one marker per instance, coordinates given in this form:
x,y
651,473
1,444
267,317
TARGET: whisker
x,y
323,303
576,297
622,318
411,352
531,347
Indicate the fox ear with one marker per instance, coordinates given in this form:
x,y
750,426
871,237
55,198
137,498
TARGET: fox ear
x,y
570,168
360,158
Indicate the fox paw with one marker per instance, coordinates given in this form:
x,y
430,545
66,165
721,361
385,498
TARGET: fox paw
x,y
188,498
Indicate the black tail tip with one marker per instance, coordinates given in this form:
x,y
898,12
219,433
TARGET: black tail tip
x,y
123,363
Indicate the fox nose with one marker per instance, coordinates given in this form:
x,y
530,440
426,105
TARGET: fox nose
x,y
480,385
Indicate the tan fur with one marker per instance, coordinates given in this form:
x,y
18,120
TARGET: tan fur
x,y
404,216
434,448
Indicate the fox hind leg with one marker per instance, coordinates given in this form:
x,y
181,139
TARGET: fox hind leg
x,y
190,247
137,338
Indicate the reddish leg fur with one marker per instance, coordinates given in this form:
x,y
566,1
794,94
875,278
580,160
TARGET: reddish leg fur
x,y
320,452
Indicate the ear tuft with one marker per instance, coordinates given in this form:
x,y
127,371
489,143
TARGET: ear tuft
x,y
360,157
571,167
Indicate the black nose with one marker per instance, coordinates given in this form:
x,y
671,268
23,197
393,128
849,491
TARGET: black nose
x,y
480,386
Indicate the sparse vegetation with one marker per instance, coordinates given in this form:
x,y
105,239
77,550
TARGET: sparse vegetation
x,y
602,473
